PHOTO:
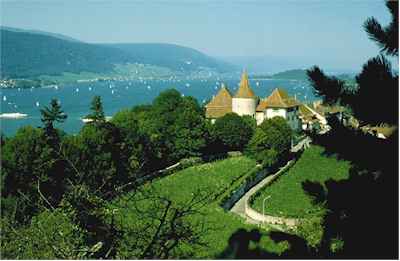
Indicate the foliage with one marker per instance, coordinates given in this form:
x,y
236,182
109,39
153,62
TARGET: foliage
x,y
27,169
232,131
96,107
50,235
176,127
271,141
312,230
387,38
51,115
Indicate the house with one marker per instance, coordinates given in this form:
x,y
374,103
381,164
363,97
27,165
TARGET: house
x,y
279,104
245,102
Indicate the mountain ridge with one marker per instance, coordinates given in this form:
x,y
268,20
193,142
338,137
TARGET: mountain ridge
x,y
32,53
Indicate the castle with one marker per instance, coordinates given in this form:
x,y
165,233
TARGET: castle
x,y
245,102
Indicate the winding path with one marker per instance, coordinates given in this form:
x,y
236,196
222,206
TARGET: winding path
x,y
242,207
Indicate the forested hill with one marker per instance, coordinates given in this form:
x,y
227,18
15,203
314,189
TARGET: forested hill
x,y
172,56
297,74
30,54
20,30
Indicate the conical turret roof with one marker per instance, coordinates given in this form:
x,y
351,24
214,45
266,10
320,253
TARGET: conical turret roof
x,y
221,104
244,90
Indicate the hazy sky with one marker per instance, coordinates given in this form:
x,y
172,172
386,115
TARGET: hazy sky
x,y
328,32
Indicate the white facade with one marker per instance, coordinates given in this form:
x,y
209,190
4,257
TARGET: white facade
x,y
244,106
273,112
290,115
260,116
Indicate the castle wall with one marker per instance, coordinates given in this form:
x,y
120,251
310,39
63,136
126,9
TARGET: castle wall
x,y
244,106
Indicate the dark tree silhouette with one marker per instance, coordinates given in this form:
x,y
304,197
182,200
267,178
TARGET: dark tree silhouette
x,y
52,114
386,37
97,115
330,89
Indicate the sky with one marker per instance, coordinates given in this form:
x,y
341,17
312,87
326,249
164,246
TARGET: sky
x,y
327,33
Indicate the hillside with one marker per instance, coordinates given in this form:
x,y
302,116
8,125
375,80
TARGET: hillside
x,y
300,75
59,36
297,74
28,54
172,56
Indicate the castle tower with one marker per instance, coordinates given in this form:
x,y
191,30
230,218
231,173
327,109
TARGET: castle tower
x,y
244,101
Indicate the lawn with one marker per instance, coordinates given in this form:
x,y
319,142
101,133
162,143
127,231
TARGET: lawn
x,y
287,197
211,179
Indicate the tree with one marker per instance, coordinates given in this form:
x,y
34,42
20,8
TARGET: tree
x,y
387,37
374,99
27,163
98,157
137,150
50,115
189,130
97,114
233,131
271,141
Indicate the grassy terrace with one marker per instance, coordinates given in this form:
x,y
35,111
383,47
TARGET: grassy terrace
x,y
210,178
288,198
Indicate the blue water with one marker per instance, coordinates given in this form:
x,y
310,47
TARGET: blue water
x,y
75,98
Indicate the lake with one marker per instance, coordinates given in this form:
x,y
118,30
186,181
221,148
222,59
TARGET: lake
x,y
116,95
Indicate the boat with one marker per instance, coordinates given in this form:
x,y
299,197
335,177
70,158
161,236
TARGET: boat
x,y
4,98
257,84
112,91
187,84
90,88
13,115
148,87
77,89
37,104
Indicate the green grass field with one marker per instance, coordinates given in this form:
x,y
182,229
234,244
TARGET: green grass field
x,y
287,197
211,179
